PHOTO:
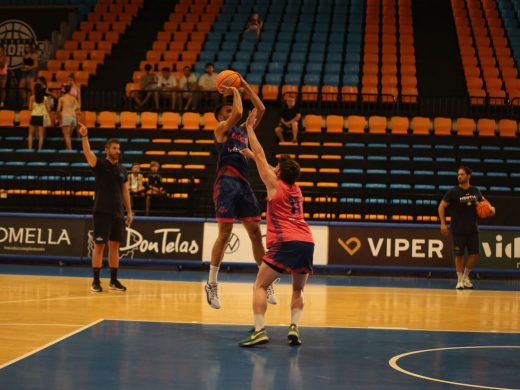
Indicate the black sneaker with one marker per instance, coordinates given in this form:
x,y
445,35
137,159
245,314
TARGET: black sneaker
x,y
293,335
96,286
116,285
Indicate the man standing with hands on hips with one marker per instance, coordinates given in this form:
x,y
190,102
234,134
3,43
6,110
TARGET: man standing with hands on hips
x,y
112,193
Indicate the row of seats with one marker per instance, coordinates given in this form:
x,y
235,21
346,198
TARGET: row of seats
x,y
126,120
397,125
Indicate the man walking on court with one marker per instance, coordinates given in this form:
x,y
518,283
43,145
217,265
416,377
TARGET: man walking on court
x,y
112,193
462,200
290,245
232,194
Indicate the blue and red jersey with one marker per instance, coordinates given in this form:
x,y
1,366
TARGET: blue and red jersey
x,y
229,156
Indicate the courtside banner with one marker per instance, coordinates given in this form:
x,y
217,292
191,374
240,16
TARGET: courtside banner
x,y
499,248
33,235
238,249
157,239
392,245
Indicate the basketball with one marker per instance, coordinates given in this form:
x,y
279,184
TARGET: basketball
x,y
228,78
484,209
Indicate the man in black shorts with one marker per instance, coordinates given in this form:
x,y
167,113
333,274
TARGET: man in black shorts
x,y
112,193
462,200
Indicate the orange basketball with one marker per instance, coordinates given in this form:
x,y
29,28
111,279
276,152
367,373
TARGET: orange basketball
x,y
484,209
228,78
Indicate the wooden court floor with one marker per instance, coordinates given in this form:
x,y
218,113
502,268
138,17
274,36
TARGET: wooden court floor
x,y
37,310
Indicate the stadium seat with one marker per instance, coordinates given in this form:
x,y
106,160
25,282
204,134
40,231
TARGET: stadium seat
x,y
465,126
356,124
7,118
149,120
399,125
507,128
442,126
107,120
334,124
191,121
486,127
420,126
127,120
210,123
377,125
170,120
313,123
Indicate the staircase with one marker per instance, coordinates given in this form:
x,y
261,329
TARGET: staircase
x,y
438,63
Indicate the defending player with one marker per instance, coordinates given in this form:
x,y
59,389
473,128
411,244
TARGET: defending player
x,y
290,245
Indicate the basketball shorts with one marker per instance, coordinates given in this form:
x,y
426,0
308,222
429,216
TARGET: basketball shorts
x,y
108,227
469,241
291,256
234,199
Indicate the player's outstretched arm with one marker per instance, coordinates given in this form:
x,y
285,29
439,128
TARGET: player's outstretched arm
x,y
89,155
255,99
265,171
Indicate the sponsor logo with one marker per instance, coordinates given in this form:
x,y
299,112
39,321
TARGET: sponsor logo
x,y
233,244
14,35
500,250
35,236
418,248
168,240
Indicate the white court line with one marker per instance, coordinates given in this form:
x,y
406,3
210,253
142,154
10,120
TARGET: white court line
x,y
393,363
317,326
36,324
51,343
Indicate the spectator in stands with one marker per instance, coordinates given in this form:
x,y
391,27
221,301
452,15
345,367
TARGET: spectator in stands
x,y
167,85
29,70
109,219
188,82
254,24
462,201
289,119
40,109
208,84
75,90
147,88
50,97
136,180
67,114
4,62
155,185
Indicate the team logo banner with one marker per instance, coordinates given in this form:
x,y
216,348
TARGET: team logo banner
x,y
14,35
154,240
389,246
41,236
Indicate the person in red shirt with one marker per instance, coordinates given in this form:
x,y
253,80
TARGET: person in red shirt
x,y
290,245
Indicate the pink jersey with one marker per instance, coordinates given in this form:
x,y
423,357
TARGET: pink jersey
x,y
285,216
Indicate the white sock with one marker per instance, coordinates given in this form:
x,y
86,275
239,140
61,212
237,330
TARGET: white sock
x,y
213,273
259,322
295,316
459,276
466,273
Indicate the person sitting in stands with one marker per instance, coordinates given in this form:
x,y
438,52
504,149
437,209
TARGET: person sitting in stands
x,y
136,180
288,125
155,185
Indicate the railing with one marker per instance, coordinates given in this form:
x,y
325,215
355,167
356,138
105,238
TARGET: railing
x,y
310,102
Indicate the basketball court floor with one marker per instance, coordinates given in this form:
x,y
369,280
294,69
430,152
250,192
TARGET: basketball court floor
x,y
357,332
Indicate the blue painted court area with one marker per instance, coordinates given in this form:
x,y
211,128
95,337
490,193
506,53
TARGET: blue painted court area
x,y
232,277
148,355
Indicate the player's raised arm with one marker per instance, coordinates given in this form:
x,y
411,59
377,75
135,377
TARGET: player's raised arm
x,y
266,172
255,99
89,155
235,115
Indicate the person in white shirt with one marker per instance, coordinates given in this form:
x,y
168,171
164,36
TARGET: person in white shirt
x,y
208,84
188,82
167,85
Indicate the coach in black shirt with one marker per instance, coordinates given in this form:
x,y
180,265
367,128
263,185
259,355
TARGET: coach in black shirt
x,y
112,193
462,200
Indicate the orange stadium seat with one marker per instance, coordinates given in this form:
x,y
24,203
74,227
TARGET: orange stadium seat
x,y
442,126
486,127
149,120
507,128
356,124
210,123
334,123
420,126
269,92
399,125
88,118
24,117
191,121
107,120
465,126
128,120
170,120
313,123
377,125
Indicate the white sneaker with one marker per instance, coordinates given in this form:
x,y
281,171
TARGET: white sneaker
x,y
467,283
271,295
212,295
460,285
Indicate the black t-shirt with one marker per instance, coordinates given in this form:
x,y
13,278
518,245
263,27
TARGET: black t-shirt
x,y
289,113
109,181
154,180
463,209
